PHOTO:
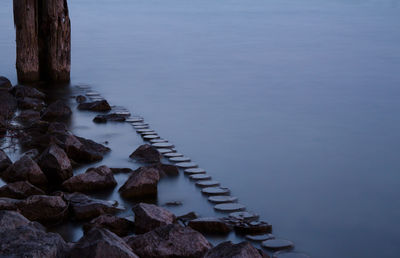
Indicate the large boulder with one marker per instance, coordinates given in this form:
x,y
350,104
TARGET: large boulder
x,y
117,225
21,238
101,243
146,153
142,182
84,208
150,216
19,190
230,250
99,178
25,169
167,170
57,110
5,83
55,164
44,208
5,161
90,151
21,91
170,241
100,106
210,226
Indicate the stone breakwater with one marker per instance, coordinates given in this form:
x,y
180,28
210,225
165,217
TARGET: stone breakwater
x,y
43,189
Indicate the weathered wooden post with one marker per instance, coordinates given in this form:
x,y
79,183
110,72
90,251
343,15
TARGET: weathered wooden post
x,y
43,35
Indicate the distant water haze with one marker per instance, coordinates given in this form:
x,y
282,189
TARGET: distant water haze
x,y
293,105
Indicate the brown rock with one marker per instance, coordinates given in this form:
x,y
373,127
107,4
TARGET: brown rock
x,y
149,217
210,226
100,106
19,190
44,208
90,151
5,161
55,164
170,241
8,105
167,170
31,103
109,118
57,110
146,153
99,178
99,243
25,169
29,115
84,207
230,250
21,238
142,182
117,225
21,91
9,204
5,83
80,99
253,228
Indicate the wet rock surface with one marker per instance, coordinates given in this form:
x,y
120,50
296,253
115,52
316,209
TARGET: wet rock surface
x,y
19,190
170,241
149,217
99,106
210,226
99,178
20,237
99,242
83,207
142,182
117,225
44,208
25,169
146,153
230,250
55,164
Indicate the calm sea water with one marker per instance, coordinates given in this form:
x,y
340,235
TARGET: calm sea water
x,y
294,105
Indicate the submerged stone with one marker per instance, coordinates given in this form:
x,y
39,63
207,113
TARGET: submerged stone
x,y
134,119
200,177
230,250
244,216
186,164
99,106
157,140
210,226
179,159
259,238
173,154
229,207
252,228
150,136
113,117
222,199
165,150
144,130
163,145
146,153
192,171
137,123
277,244
207,183
215,191
284,254
141,127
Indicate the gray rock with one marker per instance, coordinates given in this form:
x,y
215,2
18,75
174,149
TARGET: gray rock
x,y
230,250
142,182
83,207
100,106
170,241
21,238
101,243
25,169
210,226
19,190
117,225
99,178
55,164
146,153
149,217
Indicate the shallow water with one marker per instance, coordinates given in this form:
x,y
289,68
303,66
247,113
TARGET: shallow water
x,y
293,105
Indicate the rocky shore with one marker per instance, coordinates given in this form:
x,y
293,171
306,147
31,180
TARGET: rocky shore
x,y
43,190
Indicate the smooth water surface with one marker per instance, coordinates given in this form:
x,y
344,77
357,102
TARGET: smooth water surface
x,y
294,105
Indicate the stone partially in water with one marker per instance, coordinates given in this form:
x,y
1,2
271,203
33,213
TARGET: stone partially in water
x,y
193,171
144,130
210,226
186,165
142,182
284,254
158,140
179,159
170,241
259,238
92,93
5,161
252,228
200,177
137,123
165,150
222,199
244,216
146,153
99,242
113,117
57,110
277,244
173,154
141,127
150,137
80,99
148,133
162,145
229,207
230,250
55,164
215,191
99,106
134,119
150,216
207,183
